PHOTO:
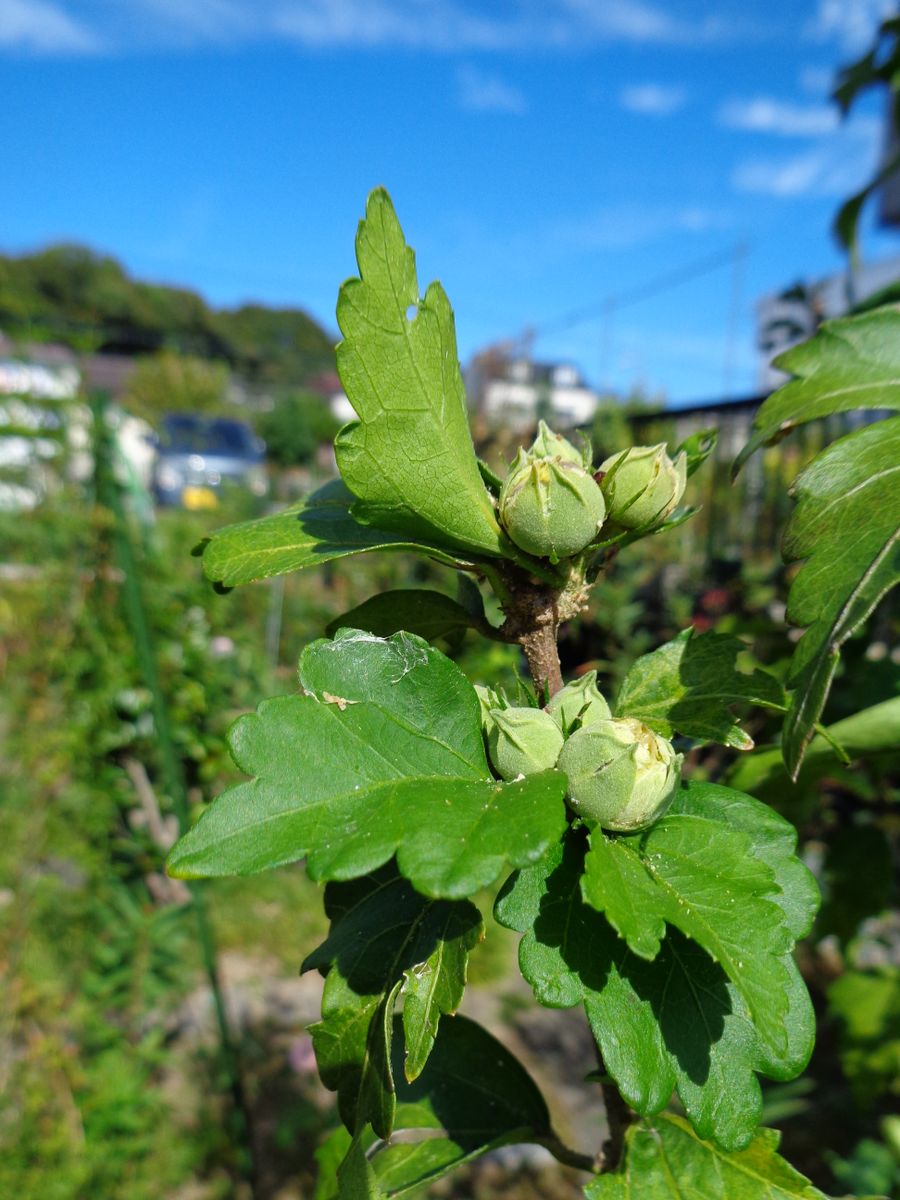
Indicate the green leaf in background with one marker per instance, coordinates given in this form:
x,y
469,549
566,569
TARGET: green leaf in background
x,y
846,530
867,1006
309,534
382,754
857,878
409,458
421,611
871,732
851,362
665,1160
384,933
689,685
697,448
676,1022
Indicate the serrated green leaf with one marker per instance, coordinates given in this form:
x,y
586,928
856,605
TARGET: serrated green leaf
x,y
851,362
689,685
409,458
314,532
421,611
384,933
846,530
676,1022
704,879
665,1160
383,754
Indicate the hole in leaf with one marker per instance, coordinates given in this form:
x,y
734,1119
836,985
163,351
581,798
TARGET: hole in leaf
x,y
412,312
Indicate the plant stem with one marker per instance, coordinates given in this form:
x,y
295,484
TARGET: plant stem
x,y
539,645
533,614
618,1117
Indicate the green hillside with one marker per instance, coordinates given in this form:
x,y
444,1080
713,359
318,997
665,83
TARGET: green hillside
x,y
71,294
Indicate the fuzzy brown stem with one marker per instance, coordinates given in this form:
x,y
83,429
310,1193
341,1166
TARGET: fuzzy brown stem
x,y
543,659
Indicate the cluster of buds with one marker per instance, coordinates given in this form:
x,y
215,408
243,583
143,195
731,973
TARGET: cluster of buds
x,y
622,776
553,506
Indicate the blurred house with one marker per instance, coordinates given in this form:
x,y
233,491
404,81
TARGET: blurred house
x,y
45,425
517,392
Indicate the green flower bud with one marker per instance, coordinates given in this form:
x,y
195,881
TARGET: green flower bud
x,y
642,485
548,444
523,741
621,774
579,701
551,507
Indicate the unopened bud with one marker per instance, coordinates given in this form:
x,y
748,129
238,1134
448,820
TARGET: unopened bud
x,y
523,741
622,775
578,704
643,485
548,444
551,507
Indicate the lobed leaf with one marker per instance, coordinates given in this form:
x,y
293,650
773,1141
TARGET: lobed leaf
x,y
851,362
689,685
409,458
382,754
676,1022
316,531
665,1160
700,875
846,530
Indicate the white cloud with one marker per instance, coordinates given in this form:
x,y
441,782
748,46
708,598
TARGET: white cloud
x,y
762,114
480,92
835,166
205,20
622,228
850,23
40,27
445,26
653,99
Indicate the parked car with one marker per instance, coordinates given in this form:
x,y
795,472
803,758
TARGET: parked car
x,y
199,455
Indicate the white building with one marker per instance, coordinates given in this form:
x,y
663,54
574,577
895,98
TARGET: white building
x,y
516,393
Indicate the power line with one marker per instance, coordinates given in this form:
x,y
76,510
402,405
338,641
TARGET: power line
x,y
645,291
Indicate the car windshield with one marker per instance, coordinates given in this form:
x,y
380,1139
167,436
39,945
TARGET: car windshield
x,y
188,434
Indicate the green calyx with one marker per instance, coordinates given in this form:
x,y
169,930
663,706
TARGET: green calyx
x,y
642,485
522,741
550,506
622,776
579,704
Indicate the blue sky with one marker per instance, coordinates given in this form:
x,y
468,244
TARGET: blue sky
x,y
544,156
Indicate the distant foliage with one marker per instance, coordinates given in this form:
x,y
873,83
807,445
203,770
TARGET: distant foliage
x,y
73,295
170,382
294,429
